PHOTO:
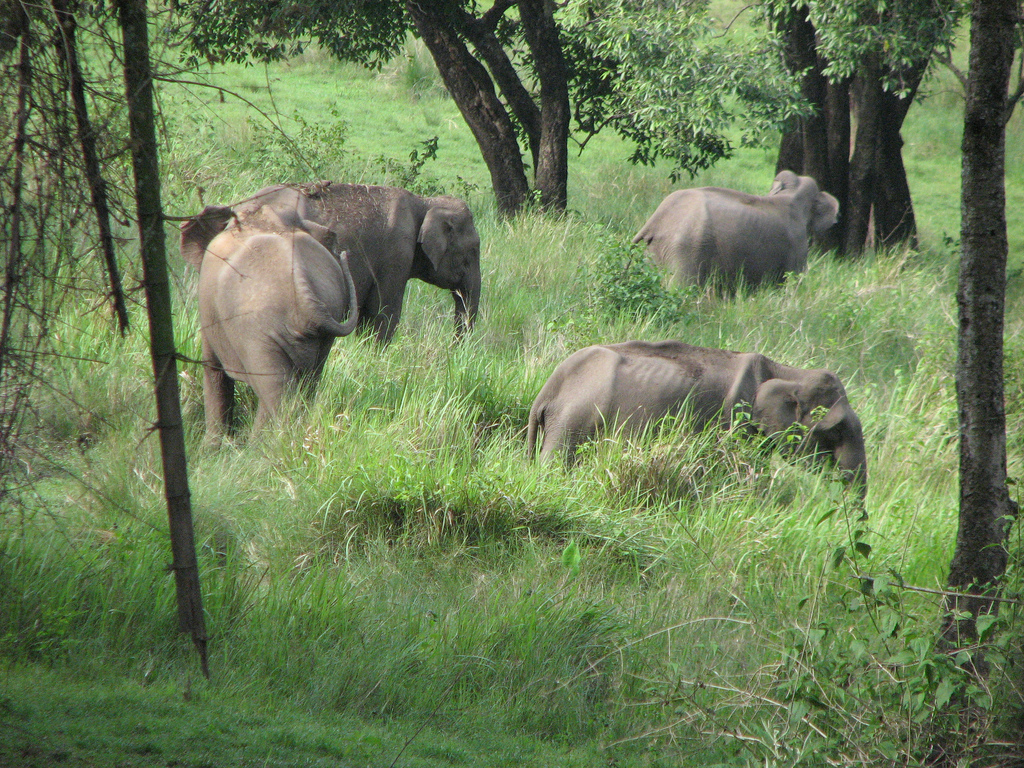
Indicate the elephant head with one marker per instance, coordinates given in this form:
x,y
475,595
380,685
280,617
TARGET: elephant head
x,y
198,231
820,208
818,402
450,244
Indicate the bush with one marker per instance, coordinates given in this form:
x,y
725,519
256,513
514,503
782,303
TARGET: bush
x,y
627,285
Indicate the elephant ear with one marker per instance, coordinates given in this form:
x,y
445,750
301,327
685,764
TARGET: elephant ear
x,y
197,232
323,235
435,236
785,181
825,213
840,435
776,407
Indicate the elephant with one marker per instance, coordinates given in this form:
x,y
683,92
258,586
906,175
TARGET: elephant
x,y
391,235
628,386
272,300
713,233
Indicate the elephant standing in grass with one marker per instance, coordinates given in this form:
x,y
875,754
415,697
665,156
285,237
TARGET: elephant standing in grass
x,y
272,299
707,233
391,235
628,386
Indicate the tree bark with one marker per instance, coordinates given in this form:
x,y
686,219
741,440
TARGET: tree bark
x,y
67,47
14,266
473,92
893,206
863,172
819,145
139,87
480,33
894,209
551,171
837,176
986,510
804,149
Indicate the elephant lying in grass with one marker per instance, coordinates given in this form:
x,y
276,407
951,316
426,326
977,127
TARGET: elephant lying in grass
x,y
272,299
709,232
627,387
391,236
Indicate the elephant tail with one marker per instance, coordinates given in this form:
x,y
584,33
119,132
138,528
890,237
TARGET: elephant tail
x,y
536,420
330,325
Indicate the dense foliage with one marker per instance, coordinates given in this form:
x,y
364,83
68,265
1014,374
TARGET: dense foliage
x,y
654,73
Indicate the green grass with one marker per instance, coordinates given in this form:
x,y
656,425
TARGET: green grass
x,y
384,558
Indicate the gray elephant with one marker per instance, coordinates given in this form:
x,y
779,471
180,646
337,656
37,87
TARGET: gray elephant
x,y
391,235
626,387
697,234
272,299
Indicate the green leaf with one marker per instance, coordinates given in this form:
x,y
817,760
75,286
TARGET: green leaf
x,y
984,623
837,556
944,692
571,558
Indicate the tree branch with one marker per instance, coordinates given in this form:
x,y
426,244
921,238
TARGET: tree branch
x,y
946,60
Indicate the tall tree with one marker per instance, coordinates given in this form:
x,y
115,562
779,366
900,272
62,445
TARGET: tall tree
x,y
986,510
537,71
142,128
866,59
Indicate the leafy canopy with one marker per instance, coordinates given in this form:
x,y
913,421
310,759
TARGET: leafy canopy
x,y
653,71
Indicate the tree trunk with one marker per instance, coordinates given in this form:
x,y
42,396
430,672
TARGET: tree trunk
x,y
986,509
894,209
473,92
480,33
139,87
837,176
551,172
68,49
863,172
819,145
804,149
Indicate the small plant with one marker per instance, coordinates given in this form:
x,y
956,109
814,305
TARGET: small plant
x,y
312,149
627,284
410,175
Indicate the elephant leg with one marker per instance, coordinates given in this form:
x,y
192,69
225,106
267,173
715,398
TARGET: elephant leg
x,y
389,312
385,322
269,391
310,375
567,430
270,371
218,400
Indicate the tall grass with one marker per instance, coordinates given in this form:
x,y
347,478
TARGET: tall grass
x,y
386,549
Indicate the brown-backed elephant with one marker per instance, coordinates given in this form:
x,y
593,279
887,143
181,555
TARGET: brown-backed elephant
x,y
391,235
272,299
697,234
625,387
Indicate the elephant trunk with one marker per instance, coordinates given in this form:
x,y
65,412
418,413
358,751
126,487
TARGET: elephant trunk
x,y
467,302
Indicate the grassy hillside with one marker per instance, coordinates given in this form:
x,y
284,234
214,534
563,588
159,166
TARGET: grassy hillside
x,y
385,559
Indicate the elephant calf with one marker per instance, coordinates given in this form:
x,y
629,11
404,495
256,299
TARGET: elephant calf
x,y
631,385
699,233
272,299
